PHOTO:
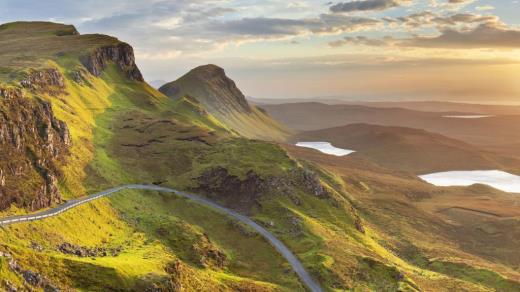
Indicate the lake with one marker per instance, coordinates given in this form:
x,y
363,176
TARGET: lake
x,y
468,117
325,147
501,180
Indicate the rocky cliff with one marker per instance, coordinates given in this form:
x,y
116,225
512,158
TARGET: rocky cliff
x,y
32,145
245,193
121,54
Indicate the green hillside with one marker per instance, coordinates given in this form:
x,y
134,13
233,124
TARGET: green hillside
x,y
220,96
105,126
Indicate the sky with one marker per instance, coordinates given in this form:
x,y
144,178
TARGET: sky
x,y
391,50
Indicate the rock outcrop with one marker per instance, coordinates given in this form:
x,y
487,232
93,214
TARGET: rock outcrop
x,y
44,81
32,144
31,280
82,251
244,193
121,54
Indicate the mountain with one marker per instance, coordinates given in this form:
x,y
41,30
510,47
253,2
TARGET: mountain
x,y
405,149
220,96
79,119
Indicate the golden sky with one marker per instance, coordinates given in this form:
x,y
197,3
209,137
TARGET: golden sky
x,y
461,50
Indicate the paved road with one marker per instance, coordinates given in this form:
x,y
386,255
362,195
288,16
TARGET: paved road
x,y
280,247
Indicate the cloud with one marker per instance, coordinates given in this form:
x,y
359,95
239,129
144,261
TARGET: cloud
x,y
274,28
485,35
428,18
459,1
366,5
363,41
485,7
454,32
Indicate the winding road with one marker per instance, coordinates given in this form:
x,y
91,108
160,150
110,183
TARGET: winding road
x,y
278,245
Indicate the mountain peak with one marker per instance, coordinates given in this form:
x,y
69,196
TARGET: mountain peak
x,y
218,95
211,86
208,71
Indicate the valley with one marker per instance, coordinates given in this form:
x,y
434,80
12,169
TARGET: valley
x,y
213,194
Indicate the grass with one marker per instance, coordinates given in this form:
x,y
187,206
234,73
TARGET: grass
x,y
127,132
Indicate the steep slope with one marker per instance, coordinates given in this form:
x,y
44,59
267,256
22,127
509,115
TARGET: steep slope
x,y
62,95
405,149
220,96
123,131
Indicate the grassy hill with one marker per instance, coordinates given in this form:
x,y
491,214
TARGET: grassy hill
x,y
120,130
219,95
405,149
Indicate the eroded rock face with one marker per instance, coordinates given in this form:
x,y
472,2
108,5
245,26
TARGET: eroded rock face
x,y
81,251
218,183
243,194
32,144
121,54
47,80
31,278
208,254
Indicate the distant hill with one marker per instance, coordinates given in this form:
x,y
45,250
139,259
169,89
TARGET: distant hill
x,y
427,106
220,96
500,133
405,149
76,117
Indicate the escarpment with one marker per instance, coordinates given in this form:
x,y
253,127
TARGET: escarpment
x,y
48,80
33,143
245,193
121,54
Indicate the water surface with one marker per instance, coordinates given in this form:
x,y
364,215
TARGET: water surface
x,y
468,117
326,148
501,180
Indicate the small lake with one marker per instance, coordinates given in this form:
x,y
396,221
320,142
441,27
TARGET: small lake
x,y
326,148
501,180
468,117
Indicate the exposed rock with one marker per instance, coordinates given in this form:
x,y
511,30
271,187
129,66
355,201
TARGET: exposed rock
x,y
82,251
10,286
243,194
121,54
218,182
208,254
2,178
34,279
10,92
310,182
359,225
35,143
161,231
296,225
31,278
44,81
35,246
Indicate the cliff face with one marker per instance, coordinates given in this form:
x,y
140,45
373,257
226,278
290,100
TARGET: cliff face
x,y
121,54
32,144
44,81
245,193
